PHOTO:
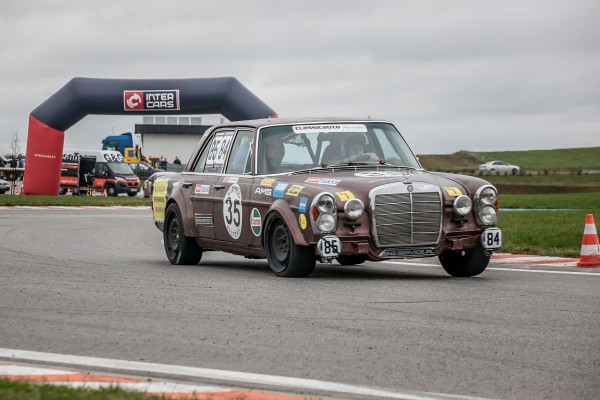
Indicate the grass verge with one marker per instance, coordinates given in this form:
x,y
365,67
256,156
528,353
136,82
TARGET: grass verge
x,y
553,228
20,390
7,200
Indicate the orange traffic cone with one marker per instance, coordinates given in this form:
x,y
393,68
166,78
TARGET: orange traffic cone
x,y
590,248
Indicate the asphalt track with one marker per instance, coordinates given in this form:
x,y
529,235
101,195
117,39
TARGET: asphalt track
x,y
96,283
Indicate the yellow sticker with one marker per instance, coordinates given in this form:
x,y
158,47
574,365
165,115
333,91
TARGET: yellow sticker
x,y
159,198
302,221
345,196
453,191
267,182
294,190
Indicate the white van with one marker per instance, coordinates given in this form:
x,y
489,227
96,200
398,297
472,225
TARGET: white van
x,y
95,171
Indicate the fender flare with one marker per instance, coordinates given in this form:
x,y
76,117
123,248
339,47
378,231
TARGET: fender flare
x,y
282,207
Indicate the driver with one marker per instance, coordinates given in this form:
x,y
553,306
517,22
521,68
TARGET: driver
x,y
355,149
274,152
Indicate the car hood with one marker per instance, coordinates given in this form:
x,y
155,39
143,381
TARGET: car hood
x,y
359,182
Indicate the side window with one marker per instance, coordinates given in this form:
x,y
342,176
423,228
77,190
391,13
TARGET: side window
x,y
213,156
101,169
239,160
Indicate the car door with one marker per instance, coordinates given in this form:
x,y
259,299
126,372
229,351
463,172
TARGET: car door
x,y
202,181
232,192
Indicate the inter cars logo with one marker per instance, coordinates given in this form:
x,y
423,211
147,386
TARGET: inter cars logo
x,y
149,100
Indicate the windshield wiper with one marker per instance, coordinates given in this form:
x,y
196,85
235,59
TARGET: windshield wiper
x,y
347,164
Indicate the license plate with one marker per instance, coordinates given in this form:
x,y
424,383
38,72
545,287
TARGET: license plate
x,y
329,246
491,239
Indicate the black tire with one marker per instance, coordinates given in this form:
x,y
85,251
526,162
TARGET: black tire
x,y
131,194
514,171
492,172
285,258
180,249
352,260
12,176
465,263
111,191
62,191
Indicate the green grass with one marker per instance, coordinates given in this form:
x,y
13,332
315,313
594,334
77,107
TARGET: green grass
x,y
543,232
548,233
16,390
585,157
7,200
577,201
571,160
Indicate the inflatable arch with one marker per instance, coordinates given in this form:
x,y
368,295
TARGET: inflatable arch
x,y
83,96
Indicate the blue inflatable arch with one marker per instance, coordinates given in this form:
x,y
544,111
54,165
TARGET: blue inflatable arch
x,y
83,96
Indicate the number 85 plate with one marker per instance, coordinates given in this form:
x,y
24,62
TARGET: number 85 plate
x,y
329,246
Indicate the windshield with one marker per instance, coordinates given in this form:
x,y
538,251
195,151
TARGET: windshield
x,y
120,168
289,148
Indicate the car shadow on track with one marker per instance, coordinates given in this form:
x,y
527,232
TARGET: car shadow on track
x,y
321,272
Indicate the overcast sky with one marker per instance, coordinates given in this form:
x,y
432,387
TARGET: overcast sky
x,y
452,75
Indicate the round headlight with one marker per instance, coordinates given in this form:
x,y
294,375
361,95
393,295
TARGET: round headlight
x,y
488,195
326,203
326,223
488,215
354,209
463,205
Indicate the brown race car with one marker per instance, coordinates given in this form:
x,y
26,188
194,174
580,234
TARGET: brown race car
x,y
298,191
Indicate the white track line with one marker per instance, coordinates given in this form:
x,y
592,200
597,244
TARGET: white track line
x,y
230,377
505,269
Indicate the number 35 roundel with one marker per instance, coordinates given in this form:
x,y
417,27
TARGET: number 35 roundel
x,y
232,211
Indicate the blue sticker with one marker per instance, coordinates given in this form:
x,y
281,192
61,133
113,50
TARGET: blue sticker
x,y
302,205
279,190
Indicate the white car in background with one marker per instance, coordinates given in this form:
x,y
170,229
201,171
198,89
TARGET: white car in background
x,y
4,186
499,167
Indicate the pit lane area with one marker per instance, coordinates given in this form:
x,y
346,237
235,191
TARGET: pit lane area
x,y
96,283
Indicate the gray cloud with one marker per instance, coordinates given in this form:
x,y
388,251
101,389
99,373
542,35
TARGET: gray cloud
x,y
494,75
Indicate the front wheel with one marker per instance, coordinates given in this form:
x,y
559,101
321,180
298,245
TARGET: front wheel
x,y
465,263
180,249
111,191
285,257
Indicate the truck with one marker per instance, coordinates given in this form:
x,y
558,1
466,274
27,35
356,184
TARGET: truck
x,y
96,171
10,170
127,144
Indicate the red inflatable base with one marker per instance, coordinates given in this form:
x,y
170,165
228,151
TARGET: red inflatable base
x,y
44,159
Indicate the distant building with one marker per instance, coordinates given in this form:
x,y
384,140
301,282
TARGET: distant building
x,y
171,136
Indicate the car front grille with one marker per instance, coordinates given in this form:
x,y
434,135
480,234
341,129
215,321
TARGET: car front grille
x,y
407,219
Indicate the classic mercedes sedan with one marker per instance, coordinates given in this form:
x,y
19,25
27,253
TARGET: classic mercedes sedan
x,y
300,191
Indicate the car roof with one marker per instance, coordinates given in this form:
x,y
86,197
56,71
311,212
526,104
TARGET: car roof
x,y
260,123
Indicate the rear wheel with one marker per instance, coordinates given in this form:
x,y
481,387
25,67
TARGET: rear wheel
x,y
11,176
352,260
285,257
465,263
180,249
131,194
514,171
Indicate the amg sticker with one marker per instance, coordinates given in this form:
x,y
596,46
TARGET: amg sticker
x,y
264,191
407,253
